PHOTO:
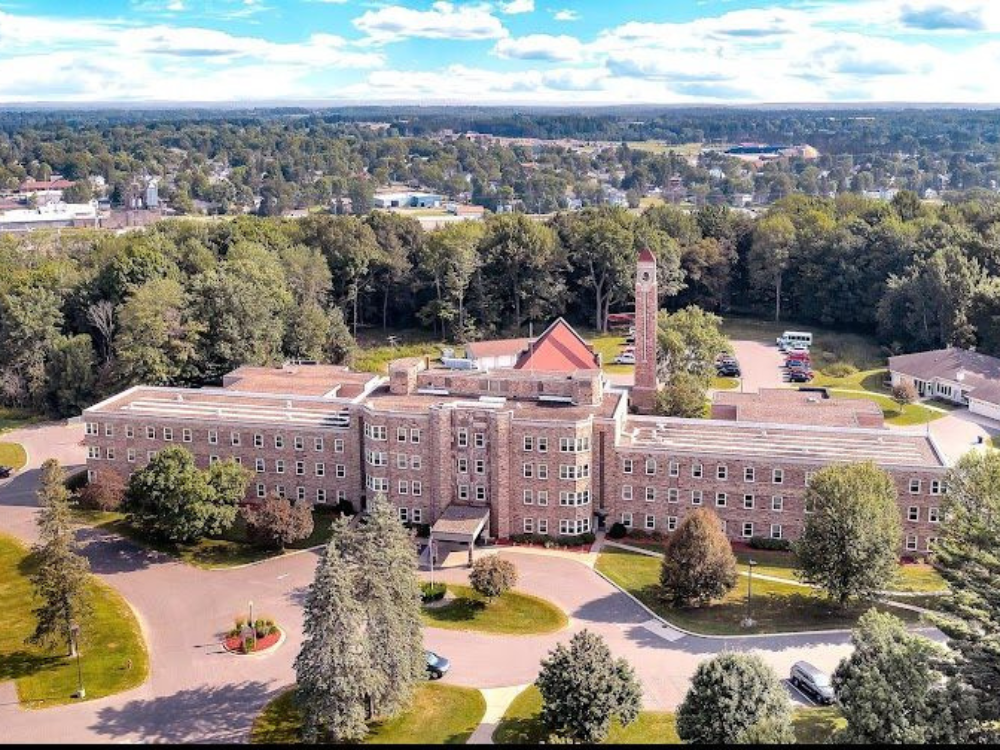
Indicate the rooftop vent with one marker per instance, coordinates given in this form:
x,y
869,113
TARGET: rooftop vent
x,y
178,397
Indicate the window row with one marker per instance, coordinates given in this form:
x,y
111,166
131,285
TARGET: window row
x,y
698,470
167,434
403,461
747,529
566,471
478,438
937,486
532,525
478,491
462,465
411,515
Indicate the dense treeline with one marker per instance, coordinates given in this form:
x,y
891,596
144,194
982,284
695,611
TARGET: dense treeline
x,y
83,313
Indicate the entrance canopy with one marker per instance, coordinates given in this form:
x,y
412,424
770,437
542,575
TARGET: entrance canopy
x,y
460,523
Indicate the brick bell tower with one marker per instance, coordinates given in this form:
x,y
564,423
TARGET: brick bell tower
x,y
646,311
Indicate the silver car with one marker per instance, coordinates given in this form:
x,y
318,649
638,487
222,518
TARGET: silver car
x,y
812,681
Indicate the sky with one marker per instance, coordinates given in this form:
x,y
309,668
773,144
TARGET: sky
x,y
544,52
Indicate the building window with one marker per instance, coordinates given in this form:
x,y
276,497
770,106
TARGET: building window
x,y
650,494
234,438
259,466
168,434
463,466
777,503
721,472
403,488
777,476
529,497
651,466
261,490
911,543
150,433
415,438
92,429
129,431
186,435
258,440
674,468
340,471
299,442
529,443
320,495
480,466
931,541
212,460
404,515
400,460
542,444
130,455
935,486
279,441
417,515
748,502
527,471
480,493
626,492
720,499
318,444
650,523
671,523
776,531
543,471
415,462
338,445
627,520
528,525
543,526
463,438
914,486
279,466
748,474
93,451
695,497
400,434
747,529
341,495
463,492
627,466
810,505
479,440
673,495
279,490
300,493
934,515
913,513
110,453
543,497
376,432
417,488
696,471
809,477
300,468
109,429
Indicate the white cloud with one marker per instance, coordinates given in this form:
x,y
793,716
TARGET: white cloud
x,y
518,6
566,15
443,20
540,47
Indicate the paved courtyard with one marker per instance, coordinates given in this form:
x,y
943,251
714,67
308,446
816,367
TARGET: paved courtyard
x,y
196,692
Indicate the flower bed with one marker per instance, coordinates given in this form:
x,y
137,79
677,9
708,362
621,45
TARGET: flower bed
x,y
265,634
542,545
234,643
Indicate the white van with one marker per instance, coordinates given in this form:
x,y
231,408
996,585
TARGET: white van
x,y
799,339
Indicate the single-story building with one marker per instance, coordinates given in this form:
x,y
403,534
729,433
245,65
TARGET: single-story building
x,y
497,354
957,375
412,199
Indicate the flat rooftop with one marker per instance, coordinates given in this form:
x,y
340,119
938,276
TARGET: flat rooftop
x,y
223,406
738,440
381,400
326,381
796,407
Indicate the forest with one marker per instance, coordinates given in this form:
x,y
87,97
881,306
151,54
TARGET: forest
x,y
85,313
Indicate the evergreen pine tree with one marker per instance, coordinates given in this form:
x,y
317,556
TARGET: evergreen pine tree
x,y
61,576
334,668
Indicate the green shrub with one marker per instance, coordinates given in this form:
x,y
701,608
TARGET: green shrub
x,y
840,370
765,542
76,482
345,508
432,592
617,531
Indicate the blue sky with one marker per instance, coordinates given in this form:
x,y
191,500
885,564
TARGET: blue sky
x,y
500,51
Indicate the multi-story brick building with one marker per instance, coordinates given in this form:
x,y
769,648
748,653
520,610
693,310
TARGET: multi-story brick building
x,y
547,446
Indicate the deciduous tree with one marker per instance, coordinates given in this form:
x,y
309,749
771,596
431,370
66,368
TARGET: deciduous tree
x,y
276,522
493,576
698,561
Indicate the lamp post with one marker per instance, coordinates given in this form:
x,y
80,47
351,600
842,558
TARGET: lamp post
x,y
74,634
748,621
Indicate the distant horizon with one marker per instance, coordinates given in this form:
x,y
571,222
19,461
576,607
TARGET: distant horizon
x,y
500,52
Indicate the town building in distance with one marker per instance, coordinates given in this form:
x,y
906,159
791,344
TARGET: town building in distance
x,y
533,441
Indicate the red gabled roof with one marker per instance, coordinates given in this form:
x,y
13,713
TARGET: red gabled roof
x,y
559,349
645,256
496,347
29,185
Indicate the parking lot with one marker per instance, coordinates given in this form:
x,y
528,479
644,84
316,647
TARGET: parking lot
x,y
761,365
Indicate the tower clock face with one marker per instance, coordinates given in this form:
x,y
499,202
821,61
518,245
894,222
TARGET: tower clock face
x,y
645,276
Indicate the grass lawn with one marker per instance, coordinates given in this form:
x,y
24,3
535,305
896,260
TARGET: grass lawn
x,y
725,384
11,419
522,725
909,415
609,345
46,677
777,607
440,715
13,455
226,552
816,725
512,614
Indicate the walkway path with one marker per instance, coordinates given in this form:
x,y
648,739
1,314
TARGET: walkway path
x,y
196,692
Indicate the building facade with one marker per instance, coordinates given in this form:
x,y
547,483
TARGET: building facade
x,y
546,447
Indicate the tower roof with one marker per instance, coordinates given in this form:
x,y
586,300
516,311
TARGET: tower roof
x,y
645,256
559,349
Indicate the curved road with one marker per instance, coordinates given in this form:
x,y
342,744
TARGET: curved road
x,y
197,692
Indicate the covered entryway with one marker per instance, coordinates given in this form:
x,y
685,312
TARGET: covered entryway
x,y
459,524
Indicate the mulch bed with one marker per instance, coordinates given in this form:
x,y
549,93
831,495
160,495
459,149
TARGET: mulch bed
x,y
509,543
233,643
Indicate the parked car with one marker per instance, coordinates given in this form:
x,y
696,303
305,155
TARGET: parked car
x,y
728,370
630,339
796,364
800,376
437,666
625,358
6,471
812,681
798,357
